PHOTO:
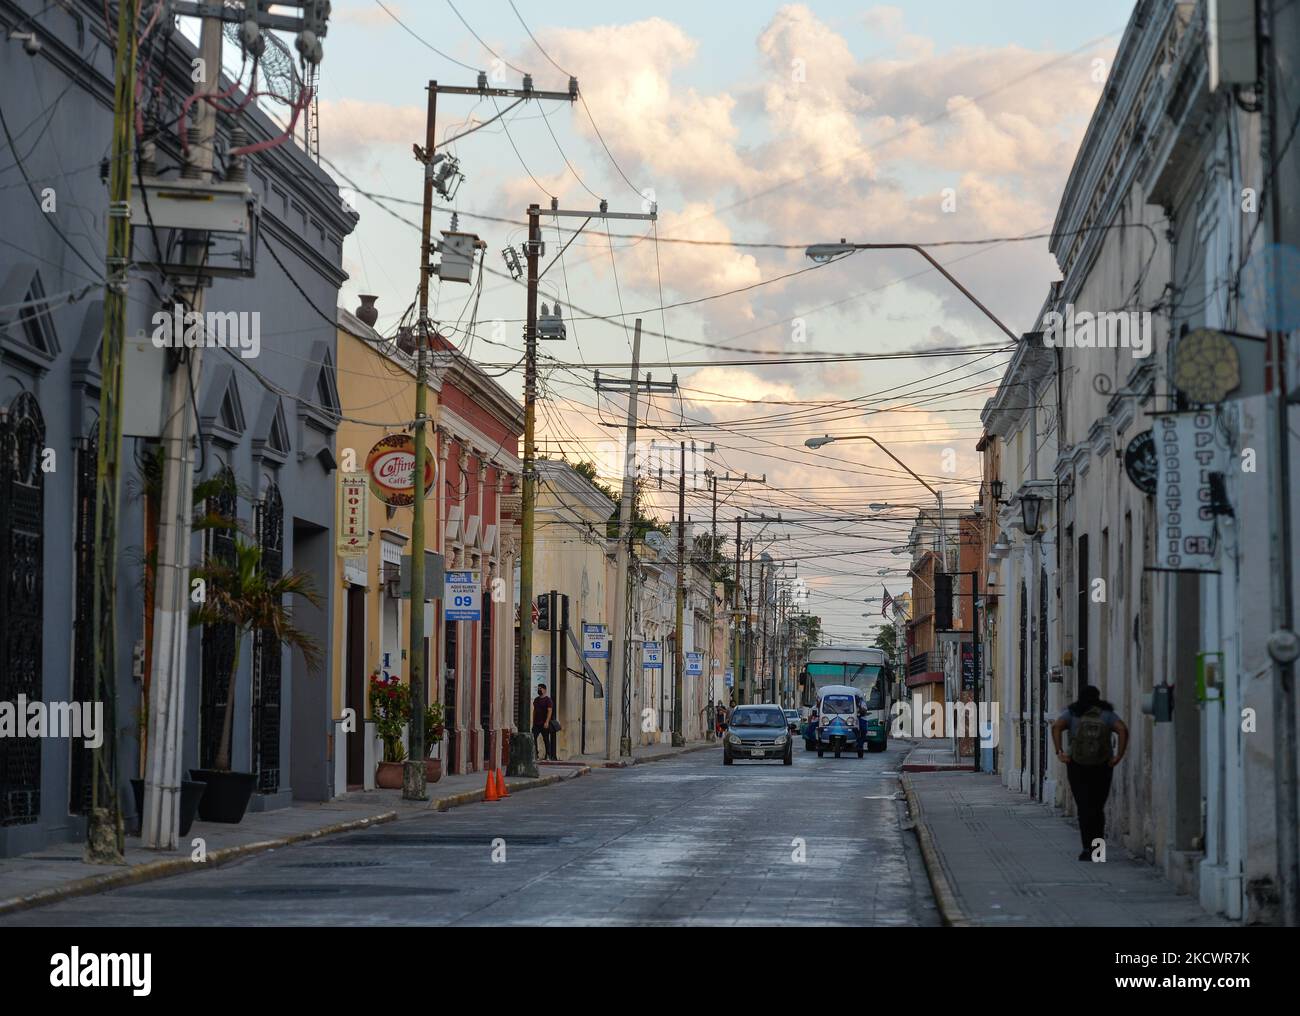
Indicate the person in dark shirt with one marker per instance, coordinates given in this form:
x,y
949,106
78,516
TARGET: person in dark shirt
x,y
1090,777
543,711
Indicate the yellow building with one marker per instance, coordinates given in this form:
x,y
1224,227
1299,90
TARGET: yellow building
x,y
571,556
467,664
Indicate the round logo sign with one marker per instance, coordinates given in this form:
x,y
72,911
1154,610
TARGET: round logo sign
x,y
390,466
1140,462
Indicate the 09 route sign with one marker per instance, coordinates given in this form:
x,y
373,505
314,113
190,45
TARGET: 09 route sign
x,y
462,595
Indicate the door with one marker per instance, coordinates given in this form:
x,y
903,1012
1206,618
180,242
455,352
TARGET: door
x,y
355,690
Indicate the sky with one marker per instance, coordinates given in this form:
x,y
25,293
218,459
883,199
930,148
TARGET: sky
x,y
756,129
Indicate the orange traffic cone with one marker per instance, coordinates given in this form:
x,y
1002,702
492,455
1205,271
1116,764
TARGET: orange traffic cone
x,y
490,791
502,792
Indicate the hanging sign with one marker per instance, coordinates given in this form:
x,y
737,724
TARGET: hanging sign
x,y
390,466
652,656
1188,452
354,515
694,664
1140,462
595,642
462,592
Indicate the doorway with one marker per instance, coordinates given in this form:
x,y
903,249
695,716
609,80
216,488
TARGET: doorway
x,y
355,684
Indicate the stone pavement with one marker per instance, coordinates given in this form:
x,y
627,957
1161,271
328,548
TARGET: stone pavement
x,y
997,858
59,872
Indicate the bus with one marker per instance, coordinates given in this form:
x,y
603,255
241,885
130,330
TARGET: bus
x,y
857,667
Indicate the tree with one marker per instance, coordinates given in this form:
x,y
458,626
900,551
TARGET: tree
x,y
238,593
887,639
641,522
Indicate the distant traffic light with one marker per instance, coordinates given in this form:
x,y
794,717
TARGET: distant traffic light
x,y
942,601
544,612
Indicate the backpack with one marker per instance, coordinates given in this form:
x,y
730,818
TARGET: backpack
x,y
1090,744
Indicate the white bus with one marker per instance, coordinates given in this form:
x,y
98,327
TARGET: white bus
x,y
858,667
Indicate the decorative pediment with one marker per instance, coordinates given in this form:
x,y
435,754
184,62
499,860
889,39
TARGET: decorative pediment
x,y
26,327
471,531
271,438
318,395
86,366
223,409
454,513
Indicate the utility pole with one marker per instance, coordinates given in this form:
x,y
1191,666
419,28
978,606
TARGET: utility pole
x,y
522,750
413,779
160,824
735,585
619,703
680,647
105,843
1283,644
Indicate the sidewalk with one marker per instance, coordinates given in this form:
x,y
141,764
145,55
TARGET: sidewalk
x,y
640,754
59,873
998,858
935,755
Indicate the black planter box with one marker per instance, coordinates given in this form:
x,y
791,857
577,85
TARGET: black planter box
x,y
227,796
192,792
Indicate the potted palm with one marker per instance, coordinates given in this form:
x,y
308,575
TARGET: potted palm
x,y
433,732
239,593
390,711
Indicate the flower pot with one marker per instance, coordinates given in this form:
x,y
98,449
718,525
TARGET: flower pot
x,y
227,795
432,770
389,775
368,312
192,792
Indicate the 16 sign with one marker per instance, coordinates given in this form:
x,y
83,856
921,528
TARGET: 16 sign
x,y
595,642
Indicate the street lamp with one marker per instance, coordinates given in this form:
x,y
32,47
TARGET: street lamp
x,y
824,252
1031,507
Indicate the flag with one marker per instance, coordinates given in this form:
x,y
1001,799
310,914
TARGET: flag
x,y
886,603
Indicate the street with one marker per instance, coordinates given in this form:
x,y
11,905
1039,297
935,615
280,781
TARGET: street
x,y
683,841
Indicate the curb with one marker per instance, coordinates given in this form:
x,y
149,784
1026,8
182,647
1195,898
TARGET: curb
x,y
657,758
153,870
950,908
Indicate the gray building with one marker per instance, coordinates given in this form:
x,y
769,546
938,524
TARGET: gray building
x,y
268,421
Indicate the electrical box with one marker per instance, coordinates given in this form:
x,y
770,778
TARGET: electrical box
x,y
217,207
457,250
144,376
1159,704
1230,42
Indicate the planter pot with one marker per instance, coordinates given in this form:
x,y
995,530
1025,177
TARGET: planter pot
x,y
192,792
432,770
389,775
227,795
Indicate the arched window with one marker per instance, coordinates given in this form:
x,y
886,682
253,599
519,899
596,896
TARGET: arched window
x,y
218,639
266,651
22,567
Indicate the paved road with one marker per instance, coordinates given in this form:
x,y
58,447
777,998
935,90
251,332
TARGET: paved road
x,y
682,841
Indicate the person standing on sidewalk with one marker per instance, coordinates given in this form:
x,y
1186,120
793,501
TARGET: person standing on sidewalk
x,y
1091,760
543,713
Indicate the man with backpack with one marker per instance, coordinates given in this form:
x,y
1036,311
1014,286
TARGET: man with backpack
x,y
1090,760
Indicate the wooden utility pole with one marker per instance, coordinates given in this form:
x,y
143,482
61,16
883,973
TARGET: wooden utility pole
x,y
619,703
413,779
679,662
105,843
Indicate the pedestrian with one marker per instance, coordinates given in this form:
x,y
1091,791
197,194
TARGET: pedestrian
x,y
1091,760
720,719
543,713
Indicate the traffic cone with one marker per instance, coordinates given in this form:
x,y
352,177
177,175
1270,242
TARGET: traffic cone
x,y
490,791
502,792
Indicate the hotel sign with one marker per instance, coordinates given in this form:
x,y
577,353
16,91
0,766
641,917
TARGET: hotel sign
x,y
354,515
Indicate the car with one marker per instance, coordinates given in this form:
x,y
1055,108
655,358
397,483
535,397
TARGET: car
x,y
792,720
758,732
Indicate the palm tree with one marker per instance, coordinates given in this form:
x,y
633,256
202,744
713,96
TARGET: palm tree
x,y
239,593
